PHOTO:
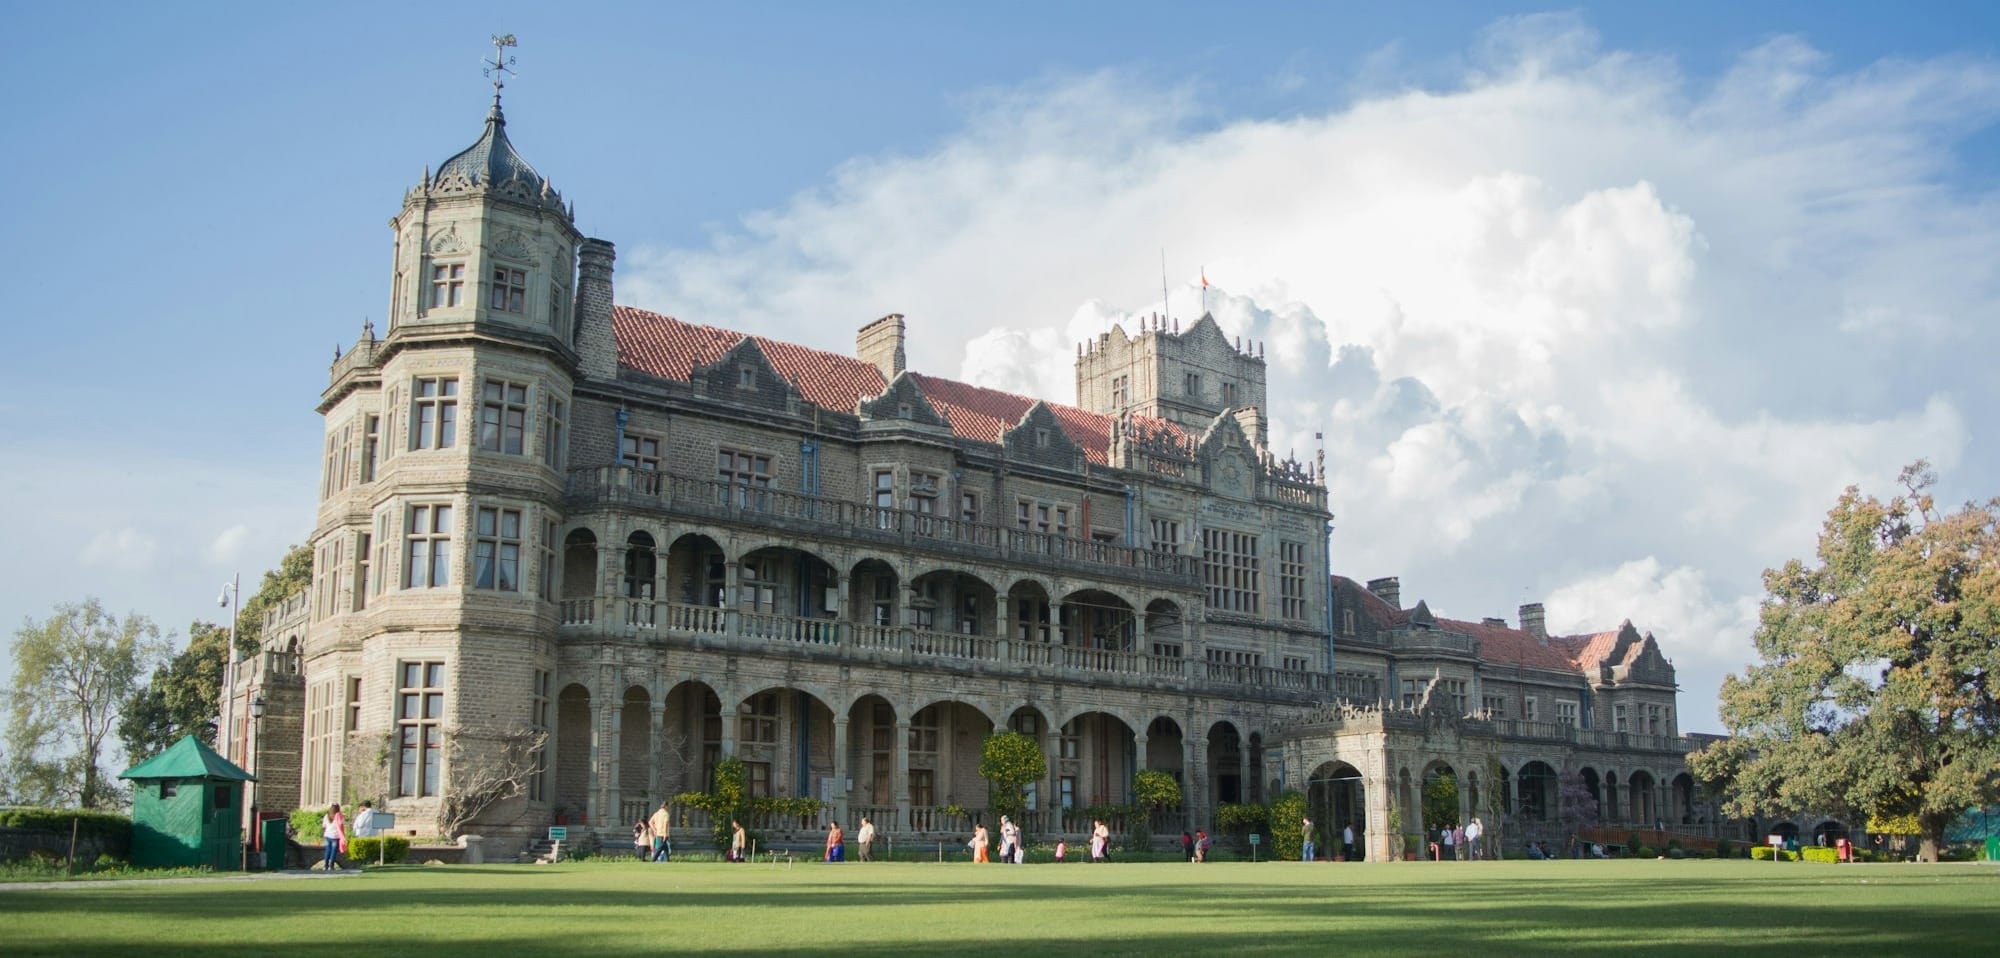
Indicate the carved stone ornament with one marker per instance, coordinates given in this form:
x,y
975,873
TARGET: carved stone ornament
x,y
513,244
448,241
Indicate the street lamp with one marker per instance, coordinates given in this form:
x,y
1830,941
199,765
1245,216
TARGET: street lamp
x,y
250,755
232,599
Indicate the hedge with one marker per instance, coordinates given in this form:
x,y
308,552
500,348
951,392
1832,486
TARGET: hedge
x,y
1762,853
365,851
1816,853
109,826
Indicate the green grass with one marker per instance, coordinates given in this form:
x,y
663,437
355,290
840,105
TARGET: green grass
x,y
1658,907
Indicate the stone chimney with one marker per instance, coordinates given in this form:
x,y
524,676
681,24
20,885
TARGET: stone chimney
x,y
880,344
1492,620
596,344
1533,623
1389,589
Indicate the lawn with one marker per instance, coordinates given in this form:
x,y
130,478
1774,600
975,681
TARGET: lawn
x,y
1663,907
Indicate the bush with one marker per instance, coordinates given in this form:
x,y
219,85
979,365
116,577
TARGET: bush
x,y
366,851
112,828
1723,849
1762,853
1816,853
306,825
1287,809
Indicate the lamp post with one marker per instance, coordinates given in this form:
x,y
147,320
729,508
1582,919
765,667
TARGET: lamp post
x,y
231,599
250,754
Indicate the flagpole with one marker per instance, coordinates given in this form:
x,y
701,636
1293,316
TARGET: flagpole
x,y
1166,305
1204,291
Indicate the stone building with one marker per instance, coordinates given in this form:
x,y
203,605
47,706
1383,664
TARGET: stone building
x,y
663,543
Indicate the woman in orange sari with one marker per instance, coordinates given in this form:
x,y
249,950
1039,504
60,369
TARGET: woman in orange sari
x,y
980,839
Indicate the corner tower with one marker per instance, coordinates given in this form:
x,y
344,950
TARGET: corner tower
x,y
1187,378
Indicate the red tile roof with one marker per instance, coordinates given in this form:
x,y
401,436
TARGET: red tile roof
x,y
670,349
1498,644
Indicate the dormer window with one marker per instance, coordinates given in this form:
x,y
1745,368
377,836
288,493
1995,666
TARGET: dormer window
x,y
1041,438
447,284
510,290
746,377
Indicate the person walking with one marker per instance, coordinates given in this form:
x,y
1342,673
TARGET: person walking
x,y
836,843
865,839
661,825
980,839
737,841
333,827
1100,842
1306,839
1347,841
1472,833
1187,845
1201,843
1444,841
642,840
1458,839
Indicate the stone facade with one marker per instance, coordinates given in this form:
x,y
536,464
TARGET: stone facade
x,y
664,543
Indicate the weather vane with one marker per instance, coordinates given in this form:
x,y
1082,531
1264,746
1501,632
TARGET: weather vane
x,y
501,65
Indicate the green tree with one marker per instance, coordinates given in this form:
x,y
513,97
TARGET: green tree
x,y
72,673
1875,695
1440,802
1287,841
1009,762
181,698
1152,790
292,576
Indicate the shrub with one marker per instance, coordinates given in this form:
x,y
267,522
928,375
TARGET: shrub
x,y
1723,849
1816,853
1287,809
369,850
1231,817
306,825
109,827
1762,853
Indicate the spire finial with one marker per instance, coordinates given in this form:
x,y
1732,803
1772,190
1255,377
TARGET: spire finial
x,y
499,67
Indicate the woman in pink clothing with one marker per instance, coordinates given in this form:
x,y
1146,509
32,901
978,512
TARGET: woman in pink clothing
x,y
333,827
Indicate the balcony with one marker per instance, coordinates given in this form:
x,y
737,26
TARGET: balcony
x,y
903,647
684,496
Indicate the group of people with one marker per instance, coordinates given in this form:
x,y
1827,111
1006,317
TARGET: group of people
x,y
1011,850
333,829
1455,840
652,838
1195,846
836,841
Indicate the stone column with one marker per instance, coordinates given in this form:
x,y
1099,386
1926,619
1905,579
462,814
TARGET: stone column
x,y
840,790
614,721
900,785
1201,806
658,718
731,720
732,609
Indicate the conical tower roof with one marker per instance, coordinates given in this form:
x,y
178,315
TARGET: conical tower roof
x,y
492,164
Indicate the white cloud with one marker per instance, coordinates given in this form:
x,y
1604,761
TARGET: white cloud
x,y
227,545
1572,309
124,550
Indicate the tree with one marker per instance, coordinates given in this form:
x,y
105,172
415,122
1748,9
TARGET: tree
x,y
72,673
1009,762
181,698
1152,790
1440,801
1576,808
488,766
1875,696
293,575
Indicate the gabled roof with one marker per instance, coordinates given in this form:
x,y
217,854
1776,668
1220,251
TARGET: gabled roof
x,y
188,758
671,349
1499,644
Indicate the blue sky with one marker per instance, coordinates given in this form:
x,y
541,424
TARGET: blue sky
x,y
1763,228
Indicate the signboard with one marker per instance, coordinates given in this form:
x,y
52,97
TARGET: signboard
x,y
384,823
558,833
1256,839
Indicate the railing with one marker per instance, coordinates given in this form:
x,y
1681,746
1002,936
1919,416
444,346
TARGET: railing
x,y
951,645
696,618
632,809
762,505
763,625
941,647
884,817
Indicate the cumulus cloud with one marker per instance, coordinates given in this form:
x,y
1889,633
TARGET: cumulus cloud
x,y
1569,313
125,550
227,545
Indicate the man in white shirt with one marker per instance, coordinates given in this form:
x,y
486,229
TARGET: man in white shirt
x,y
364,823
1347,841
1472,833
865,838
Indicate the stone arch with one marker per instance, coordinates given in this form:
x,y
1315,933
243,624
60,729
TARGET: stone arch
x,y
1593,784
1336,798
1536,789
785,582
1097,747
1260,792
636,758
575,737
944,742
1166,628
1226,753
1826,832
691,737
1683,809
1644,803
953,600
579,569
1097,618
1031,611
871,760
1612,809
639,575
875,593
784,735
695,570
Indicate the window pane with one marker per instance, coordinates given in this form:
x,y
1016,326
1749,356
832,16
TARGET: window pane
x,y
434,677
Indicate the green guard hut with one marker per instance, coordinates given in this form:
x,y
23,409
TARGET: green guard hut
x,y
187,808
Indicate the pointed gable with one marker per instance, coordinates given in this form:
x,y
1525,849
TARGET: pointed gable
x,y
1205,332
744,376
1039,438
188,758
903,400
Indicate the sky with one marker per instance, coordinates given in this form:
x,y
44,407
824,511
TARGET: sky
x,y
1599,306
